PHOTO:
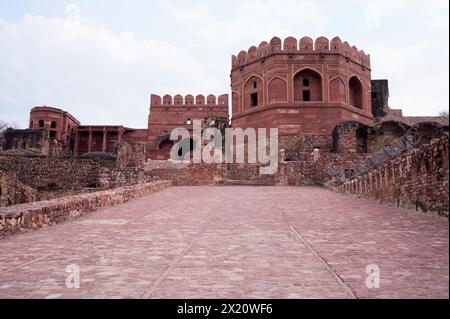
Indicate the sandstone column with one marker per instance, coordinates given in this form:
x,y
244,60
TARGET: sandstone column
x,y
105,140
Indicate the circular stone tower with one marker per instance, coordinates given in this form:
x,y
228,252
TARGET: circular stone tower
x,y
301,87
59,124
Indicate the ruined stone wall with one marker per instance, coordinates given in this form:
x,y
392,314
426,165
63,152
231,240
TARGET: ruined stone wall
x,y
21,218
44,173
300,146
13,192
116,177
186,174
298,173
289,173
416,180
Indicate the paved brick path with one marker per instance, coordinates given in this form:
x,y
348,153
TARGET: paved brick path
x,y
233,242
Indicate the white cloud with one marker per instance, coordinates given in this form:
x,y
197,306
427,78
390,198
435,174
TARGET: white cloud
x,y
81,66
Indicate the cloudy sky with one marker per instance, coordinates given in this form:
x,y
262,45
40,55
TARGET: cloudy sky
x,y
101,59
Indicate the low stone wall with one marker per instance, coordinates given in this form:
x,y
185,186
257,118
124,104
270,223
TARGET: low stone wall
x,y
183,174
20,218
288,173
416,180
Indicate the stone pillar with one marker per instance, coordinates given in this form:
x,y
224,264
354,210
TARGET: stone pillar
x,y
90,140
76,147
105,140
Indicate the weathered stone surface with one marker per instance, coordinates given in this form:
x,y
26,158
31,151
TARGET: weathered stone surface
x,y
55,173
13,191
267,242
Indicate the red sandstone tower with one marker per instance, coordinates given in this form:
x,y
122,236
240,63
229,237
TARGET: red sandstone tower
x,y
301,87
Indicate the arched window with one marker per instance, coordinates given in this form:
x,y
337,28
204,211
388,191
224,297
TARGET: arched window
x,y
356,92
307,86
253,94
41,123
53,125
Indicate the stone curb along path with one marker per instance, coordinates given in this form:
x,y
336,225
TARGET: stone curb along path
x,y
31,216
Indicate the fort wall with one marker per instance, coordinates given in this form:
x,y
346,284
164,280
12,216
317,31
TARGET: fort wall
x,y
167,113
416,180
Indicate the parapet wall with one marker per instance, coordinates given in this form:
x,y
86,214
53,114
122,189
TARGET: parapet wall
x,y
182,174
189,100
416,180
306,45
21,218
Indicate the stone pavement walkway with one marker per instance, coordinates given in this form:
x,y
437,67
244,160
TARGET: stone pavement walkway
x,y
233,242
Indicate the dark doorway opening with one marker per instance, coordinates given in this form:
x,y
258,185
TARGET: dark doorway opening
x,y
361,140
306,95
254,98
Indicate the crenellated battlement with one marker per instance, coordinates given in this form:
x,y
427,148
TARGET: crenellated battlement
x,y
189,100
290,45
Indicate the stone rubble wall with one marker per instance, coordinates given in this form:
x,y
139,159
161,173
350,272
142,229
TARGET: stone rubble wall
x,y
183,174
288,173
416,180
13,191
55,173
115,177
31,216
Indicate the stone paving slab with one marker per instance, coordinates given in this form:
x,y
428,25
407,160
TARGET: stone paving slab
x,y
233,242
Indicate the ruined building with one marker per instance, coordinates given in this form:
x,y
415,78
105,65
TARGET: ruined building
x,y
307,89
